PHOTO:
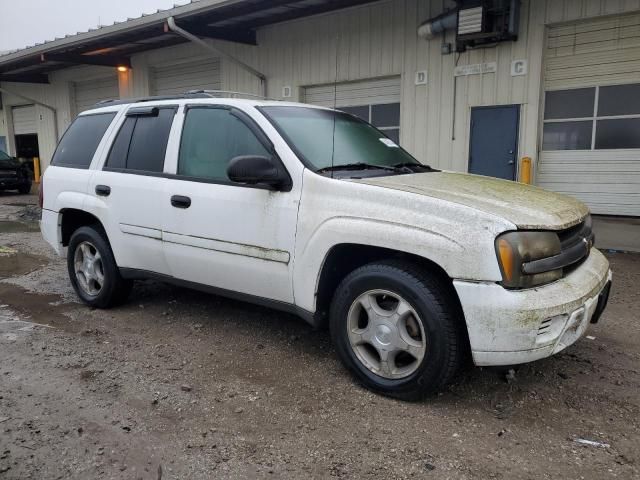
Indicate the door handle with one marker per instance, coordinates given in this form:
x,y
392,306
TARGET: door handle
x,y
103,190
180,201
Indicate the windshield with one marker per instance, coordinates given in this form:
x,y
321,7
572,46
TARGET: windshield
x,y
6,161
327,138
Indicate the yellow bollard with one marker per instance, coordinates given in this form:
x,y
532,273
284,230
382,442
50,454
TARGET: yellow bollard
x,y
36,169
525,170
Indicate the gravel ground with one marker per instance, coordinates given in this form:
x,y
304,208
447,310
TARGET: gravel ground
x,y
177,384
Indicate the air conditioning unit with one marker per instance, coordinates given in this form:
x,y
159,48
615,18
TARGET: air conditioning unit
x,y
482,22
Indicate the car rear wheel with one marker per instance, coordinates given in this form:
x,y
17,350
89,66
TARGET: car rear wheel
x,y
397,329
93,271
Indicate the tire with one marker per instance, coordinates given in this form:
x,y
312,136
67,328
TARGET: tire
x,y
97,281
428,327
24,189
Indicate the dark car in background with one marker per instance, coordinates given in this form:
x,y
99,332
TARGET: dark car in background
x,y
14,175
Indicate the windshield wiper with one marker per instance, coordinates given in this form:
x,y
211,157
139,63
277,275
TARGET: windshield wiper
x,y
356,166
411,165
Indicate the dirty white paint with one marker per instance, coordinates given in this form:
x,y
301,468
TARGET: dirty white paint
x,y
504,325
273,244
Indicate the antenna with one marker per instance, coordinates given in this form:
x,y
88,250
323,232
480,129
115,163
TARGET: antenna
x,y
335,104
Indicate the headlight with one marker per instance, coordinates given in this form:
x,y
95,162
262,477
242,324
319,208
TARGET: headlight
x,y
514,249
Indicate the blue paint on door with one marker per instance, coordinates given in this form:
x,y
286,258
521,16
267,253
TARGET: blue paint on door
x,y
493,149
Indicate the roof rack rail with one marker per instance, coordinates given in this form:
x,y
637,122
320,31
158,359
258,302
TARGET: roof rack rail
x,y
227,94
124,101
182,96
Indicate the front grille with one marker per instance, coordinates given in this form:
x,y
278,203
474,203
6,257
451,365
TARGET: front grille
x,y
8,174
577,234
575,246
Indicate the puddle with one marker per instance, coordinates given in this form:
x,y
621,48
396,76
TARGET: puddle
x,y
14,263
7,226
32,309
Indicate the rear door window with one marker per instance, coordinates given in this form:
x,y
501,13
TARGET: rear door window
x,y
79,143
141,143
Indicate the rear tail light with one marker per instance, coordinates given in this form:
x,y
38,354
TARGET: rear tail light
x,y
41,194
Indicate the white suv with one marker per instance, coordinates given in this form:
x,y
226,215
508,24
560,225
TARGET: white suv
x,y
316,212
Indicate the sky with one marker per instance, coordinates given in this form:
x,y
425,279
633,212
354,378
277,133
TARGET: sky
x,y
25,22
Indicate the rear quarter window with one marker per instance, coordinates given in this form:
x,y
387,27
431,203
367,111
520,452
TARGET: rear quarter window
x,y
79,143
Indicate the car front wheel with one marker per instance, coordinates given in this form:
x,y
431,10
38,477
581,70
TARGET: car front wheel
x,y
93,271
397,329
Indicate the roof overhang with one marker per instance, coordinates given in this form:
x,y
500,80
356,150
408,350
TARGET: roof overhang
x,y
113,45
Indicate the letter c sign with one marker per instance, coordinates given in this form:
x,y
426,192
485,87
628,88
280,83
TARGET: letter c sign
x,y
519,68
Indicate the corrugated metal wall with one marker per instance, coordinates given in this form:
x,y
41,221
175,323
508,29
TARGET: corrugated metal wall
x,y
203,74
89,92
380,40
372,41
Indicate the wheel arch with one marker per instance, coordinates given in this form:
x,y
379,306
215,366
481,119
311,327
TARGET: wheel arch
x,y
344,258
73,218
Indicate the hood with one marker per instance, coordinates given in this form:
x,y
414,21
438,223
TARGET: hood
x,y
523,205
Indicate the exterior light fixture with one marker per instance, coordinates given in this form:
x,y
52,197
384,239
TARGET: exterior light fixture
x,y
122,68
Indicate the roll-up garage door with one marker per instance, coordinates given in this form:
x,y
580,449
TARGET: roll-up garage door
x,y
90,92
179,78
377,101
591,123
24,120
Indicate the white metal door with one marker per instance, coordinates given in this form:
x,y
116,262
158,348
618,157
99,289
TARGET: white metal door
x,y
177,78
367,92
591,121
90,92
24,120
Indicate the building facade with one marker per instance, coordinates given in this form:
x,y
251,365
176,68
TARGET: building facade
x,y
566,93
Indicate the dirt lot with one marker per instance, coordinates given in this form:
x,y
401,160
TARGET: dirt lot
x,y
178,384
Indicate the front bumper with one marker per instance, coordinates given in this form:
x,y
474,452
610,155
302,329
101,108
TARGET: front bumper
x,y
10,183
508,327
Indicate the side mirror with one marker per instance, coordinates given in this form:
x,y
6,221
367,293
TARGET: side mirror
x,y
256,169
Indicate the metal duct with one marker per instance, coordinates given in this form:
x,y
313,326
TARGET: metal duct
x,y
437,25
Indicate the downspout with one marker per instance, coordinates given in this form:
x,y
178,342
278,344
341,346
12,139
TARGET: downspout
x,y
37,102
171,24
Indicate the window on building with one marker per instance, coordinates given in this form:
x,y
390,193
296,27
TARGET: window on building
x,y
598,118
385,117
211,138
79,143
141,143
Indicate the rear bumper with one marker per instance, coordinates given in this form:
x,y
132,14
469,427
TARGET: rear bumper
x,y
51,229
508,327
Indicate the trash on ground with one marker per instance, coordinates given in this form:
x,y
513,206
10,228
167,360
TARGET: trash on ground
x,y
591,443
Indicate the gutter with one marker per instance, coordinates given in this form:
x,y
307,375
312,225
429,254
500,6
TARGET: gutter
x,y
171,25
185,11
